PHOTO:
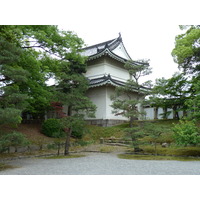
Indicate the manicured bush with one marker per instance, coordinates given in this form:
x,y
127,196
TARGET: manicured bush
x,y
14,139
78,129
53,128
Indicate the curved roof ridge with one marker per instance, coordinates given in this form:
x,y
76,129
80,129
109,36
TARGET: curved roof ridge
x,y
108,52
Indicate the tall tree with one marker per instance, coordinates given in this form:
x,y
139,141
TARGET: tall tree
x,y
187,54
187,50
11,99
30,56
128,99
70,91
171,93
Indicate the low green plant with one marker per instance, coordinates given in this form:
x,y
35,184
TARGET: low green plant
x,y
5,166
186,133
53,128
154,133
150,157
135,133
14,139
78,129
83,143
63,157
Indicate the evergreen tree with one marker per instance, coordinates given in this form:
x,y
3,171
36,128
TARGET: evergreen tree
x,y
128,99
170,93
29,56
187,54
70,91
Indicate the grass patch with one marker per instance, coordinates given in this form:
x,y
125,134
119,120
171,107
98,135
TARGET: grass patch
x,y
173,150
5,166
109,149
151,157
63,157
97,132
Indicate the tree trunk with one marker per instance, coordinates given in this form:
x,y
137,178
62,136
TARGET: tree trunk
x,y
69,132
131,122
164,113
58,153
67,142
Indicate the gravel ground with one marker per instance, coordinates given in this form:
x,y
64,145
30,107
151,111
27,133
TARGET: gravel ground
x,y
100,164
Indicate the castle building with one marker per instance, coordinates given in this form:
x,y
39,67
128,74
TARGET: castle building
x,y
105,71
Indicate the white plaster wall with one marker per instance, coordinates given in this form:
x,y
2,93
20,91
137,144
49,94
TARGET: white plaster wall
x,y
117,72
109,114
100,69
95,70
149,113
160,111
180,114
171,114
98,96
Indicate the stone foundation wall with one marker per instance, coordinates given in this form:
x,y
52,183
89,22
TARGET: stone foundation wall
x,y
105,122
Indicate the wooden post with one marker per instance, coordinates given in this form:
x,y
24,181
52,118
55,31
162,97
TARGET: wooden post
x,y
101,140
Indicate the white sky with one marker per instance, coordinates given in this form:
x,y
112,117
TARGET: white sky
x,y
148,27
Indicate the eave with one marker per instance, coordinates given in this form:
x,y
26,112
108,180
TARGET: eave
x,y
107,52
108,80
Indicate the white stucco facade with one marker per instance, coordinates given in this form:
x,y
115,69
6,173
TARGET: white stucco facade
x,y
100,96
107,66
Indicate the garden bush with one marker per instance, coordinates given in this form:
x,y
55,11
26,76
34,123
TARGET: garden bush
x,y
53,128
186,133
14,139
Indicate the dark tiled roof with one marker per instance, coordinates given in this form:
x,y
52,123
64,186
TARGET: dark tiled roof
x,y
108,80
98,50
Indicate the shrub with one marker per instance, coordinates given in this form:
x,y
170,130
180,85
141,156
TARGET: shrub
x,y
78,130
14,139
186,133
77,124
52,128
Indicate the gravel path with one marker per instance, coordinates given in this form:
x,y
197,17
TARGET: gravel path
x,y
101,164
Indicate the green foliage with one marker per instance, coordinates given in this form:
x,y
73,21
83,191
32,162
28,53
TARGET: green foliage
x,y
186,51
186,133
53,128
187,54
135,133
170,93
150,157
128,99
83,143
76,123
29,56
193,103
4,166
154,132
10,116
14,139
64,157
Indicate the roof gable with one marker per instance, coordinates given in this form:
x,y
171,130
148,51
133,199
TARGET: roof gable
x,y
115,48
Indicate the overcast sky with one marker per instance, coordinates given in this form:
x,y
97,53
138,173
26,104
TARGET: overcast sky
x,y
148,28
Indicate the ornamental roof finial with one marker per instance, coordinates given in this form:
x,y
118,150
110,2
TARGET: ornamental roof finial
x,y
120,37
